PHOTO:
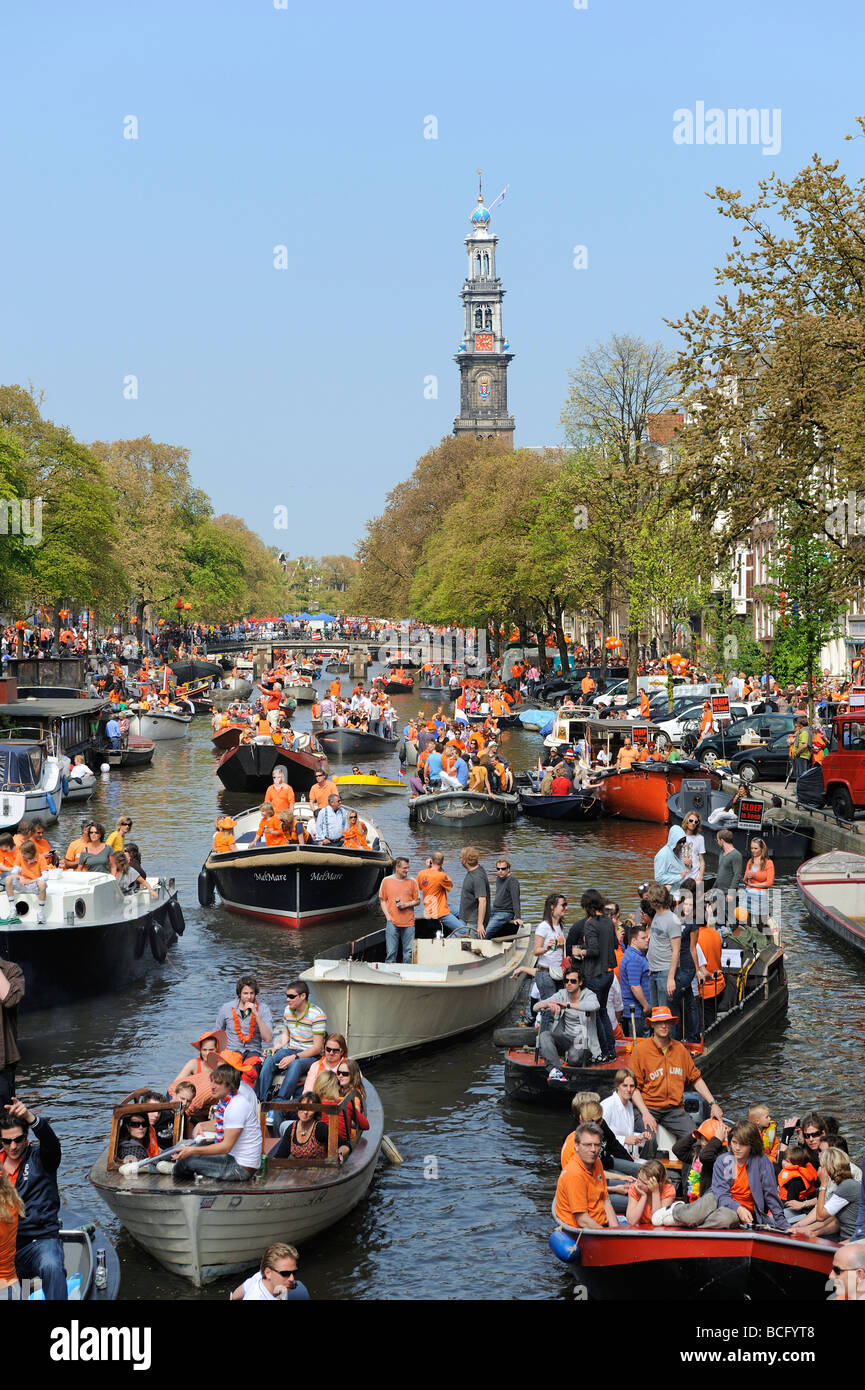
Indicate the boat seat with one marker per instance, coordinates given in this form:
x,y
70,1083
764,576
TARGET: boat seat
x,y
246,838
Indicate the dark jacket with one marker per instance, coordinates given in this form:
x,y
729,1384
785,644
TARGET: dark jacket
x,y
763,1185
600,946
507,897
37,1185
9,1013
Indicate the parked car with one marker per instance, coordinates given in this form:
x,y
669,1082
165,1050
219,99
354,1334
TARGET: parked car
x,y
687,721
766,763
844,765
725,743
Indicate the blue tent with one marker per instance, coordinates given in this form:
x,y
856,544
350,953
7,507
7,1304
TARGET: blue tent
x,y
324,617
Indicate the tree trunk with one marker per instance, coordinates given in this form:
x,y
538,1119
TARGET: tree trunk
x,y
633,652
606,615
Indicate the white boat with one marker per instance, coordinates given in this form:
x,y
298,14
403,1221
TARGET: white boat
x,y
453,985
206,1230
833,887
158,725
31,783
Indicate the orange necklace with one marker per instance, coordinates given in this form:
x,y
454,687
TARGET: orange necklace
x,y
237,1028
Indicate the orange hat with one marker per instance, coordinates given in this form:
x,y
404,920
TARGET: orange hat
x,y
712,1129
661,1014
217,1034
224,823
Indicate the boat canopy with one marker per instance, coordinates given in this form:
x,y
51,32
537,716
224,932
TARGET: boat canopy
x,y
20,766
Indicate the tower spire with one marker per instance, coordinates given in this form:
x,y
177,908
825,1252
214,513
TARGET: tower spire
x,y
483,355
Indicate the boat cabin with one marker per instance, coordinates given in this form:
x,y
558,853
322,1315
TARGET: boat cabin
x,y
52,678
64,726
611,733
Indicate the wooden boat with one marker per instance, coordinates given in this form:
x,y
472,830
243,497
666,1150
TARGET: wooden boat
x,y
579,806
159,725
833,888
187,672
205,1230
370,784
463,810
669,1263
228,736
454,985
249,767
295,885
138,752
80,788
94,937
31,782
764,997
644,791
788,840
299,691
348,743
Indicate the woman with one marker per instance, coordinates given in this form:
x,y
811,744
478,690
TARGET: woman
x,y
620,1115
837,1207
198,1072
744,1190
96,855
335,1049
649,1193
122,827
549,946
694,853
128,877
355,835
329,1086
11,1210
133,1137
759,877
306,1137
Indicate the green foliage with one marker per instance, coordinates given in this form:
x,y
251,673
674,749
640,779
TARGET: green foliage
x,y
802,578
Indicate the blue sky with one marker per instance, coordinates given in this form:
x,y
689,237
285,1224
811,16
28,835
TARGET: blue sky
x,y
304,128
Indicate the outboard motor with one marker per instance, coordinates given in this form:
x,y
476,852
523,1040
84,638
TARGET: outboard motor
x,y
696,795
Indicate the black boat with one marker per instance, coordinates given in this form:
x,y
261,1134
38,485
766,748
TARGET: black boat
x,y
93,938
463,810
578,806
436,692
249,767
348,743
787,840
762,981
186,671
138,752
295,885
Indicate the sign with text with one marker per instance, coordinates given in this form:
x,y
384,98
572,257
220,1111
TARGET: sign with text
x,y
750,813
640,736
721,706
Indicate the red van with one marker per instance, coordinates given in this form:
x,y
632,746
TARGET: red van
x,y
844,764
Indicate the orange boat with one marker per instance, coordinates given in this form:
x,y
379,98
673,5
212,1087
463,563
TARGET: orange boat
x,y
641,792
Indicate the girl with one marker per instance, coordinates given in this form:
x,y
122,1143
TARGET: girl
x,y
649,1192
759,877
11,1209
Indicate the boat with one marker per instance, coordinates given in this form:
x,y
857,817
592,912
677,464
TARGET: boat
x,y
347,743
94,937
454,985
370,784
300,691
833,889
189,672
533,720
435,692
763,984
136,752
643,792
396,682
205,1229
249,767
463,810
80,788
236,688
294,885
228,736
578,806
89,1258
787,840
67,726
668,1263
31,782
159,725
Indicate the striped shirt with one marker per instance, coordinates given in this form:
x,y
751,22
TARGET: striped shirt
x,y
302,1031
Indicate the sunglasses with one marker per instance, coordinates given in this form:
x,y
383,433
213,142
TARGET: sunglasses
x,y
501,868
346,1074
7,1143
813,1133
137,1124
333,1049
285,1273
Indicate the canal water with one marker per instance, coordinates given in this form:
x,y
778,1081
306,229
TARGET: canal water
x,y
467,1214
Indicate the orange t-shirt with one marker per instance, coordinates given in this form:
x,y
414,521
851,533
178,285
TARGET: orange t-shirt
x,y
29,872
354,838
627,757
8,1233
7,858
319,794
281,798
223,842
406,890
668,1193
434,884
579,1190
74,850
740,1189
662,1076
271,828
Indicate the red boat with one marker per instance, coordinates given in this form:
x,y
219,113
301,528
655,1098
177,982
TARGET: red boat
x,y
229,737
643,791
667,1262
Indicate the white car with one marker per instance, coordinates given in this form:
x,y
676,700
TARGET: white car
x,y
614,695
688,722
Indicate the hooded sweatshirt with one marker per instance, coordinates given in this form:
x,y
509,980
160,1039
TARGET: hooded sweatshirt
x,y
668,866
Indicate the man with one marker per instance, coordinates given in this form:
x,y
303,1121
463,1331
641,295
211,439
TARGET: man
x,y
76,846
568,1037
506,902
800,748
728,877
582,1199
848,1273
11,994
299,1044
236,1154
247,1023
475,893
634,980
32,1168
433,768
279,793
276,1279
331,822
26,878
399,895
112,732
434,885
662,1067
322,790
628,755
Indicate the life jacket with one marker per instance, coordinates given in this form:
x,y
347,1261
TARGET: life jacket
x,y
807,1172
770,1142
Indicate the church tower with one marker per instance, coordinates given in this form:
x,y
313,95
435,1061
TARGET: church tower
x,y
483,355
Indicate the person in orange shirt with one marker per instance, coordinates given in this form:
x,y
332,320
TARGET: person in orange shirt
x,y
324,788
434,885
223,840
279,793
645,707
269,827
335,688
582,1200
71,859
355,835
293,828
7,852
628,755
36,837
26,878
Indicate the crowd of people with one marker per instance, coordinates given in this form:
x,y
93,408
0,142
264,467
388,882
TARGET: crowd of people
x,y
27,858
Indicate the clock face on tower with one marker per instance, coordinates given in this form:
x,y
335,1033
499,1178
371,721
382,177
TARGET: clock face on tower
x,y
483,342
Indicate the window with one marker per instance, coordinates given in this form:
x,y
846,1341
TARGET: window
x,y
486,263
488,318
478,319
478,263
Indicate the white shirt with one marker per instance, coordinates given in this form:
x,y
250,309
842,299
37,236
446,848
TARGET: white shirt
x,y
241,1113
256,1291
554,941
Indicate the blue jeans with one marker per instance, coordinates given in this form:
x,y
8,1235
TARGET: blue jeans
x,y
43,1259
601,986
454,924
293,1076
268,1068
658,989
498,921
394,938
221,1166
685,1005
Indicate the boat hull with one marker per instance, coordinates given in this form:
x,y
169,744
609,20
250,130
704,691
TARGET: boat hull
x,y
347,743
249,767
299,885
227,738
644,791
463,810
833,889
577,808
159,728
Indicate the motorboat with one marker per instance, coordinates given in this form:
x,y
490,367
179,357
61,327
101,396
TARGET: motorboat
x,y
31,782
833,889
158,725
643,791
577,806
249,767
135,752
347,743
463,810
205,1229
80,788
94,936
370,784
453,985
788,838
295,885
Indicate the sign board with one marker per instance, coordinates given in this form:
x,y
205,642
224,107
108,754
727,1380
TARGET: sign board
x,y
731,960
856,700
640,736
750,813
721,705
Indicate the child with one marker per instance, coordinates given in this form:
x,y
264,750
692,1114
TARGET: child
x,y
185,1091
759,1116
269,827
223,840
649,1192
698,1155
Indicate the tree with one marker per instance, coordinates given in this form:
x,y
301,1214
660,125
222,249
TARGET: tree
x,y
800,590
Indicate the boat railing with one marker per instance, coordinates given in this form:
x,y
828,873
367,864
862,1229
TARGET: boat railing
x,y
133,1106
329,1111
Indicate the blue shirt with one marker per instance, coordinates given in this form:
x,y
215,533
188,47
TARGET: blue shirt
x,y
331,824
461,772
434,767
634,970
112,729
